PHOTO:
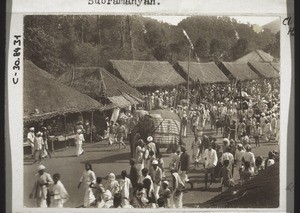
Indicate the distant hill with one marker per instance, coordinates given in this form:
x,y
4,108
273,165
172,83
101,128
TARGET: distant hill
x,y
273,26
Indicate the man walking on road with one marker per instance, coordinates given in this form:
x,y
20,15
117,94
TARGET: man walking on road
x,y
210,162
41,186
38,147
79,139
125,187
134,173
156,175
151,145
88,178
184,162
184,123
31,139
238,157
58,192
112,132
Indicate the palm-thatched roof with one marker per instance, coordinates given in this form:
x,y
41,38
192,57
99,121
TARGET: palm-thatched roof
x,y
276,66
147,73
207,72
44,97
120,101
256,55
260,192
240,71
265,69
98,83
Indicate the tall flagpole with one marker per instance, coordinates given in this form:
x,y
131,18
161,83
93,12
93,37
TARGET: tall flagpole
x,y
188,76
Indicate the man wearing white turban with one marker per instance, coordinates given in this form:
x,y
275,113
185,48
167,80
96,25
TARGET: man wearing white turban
x,y
31,138
79,139
40,188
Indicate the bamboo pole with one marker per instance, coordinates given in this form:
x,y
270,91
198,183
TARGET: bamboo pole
x,y
188,77
92,123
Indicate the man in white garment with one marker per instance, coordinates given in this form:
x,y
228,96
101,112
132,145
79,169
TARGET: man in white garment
x,y
151,145
238,157
31,138
267,131
156,175
58,192
274,125
40,188
228,156
223,110
88,178
125,186
210,162
248,156
38,147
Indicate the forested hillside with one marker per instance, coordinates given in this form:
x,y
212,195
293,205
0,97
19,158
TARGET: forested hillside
x,y
56,43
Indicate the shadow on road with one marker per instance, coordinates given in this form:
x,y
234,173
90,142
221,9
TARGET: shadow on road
x,y
65,156
110,159
106,150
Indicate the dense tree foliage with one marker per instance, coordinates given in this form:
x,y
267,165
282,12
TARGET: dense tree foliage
x,y
57,43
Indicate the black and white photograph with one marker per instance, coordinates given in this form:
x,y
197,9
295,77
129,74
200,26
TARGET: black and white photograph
x,y
145,111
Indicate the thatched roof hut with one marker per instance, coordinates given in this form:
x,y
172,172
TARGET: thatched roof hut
x,y
260,192
265,69
146,73
239,71
45,98
98,83
256,55
207,72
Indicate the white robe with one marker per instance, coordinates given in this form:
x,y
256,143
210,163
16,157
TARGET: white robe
x,y
210,158
79,140
177,198
87,178
60,195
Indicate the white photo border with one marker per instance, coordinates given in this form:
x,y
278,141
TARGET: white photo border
x,y
14,92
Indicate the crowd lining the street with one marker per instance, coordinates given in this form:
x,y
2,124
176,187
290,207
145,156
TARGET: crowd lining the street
x,y
254,114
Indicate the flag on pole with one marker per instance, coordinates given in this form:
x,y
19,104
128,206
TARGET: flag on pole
x,y
191,44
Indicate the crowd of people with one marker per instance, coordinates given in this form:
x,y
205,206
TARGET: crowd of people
x,y
254,114
38,143
147,184
224,160
116,132
240,111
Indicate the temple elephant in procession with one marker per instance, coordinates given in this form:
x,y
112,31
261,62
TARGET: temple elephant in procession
x,y
162,125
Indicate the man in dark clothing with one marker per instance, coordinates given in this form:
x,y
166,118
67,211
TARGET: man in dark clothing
x,y
205,143
133,176
184,162
232,130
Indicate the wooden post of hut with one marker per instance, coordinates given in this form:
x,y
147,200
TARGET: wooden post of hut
x,y
65,124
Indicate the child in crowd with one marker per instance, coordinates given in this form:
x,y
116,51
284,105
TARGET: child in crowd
x,y
98,191
247,173
165,194
59,194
